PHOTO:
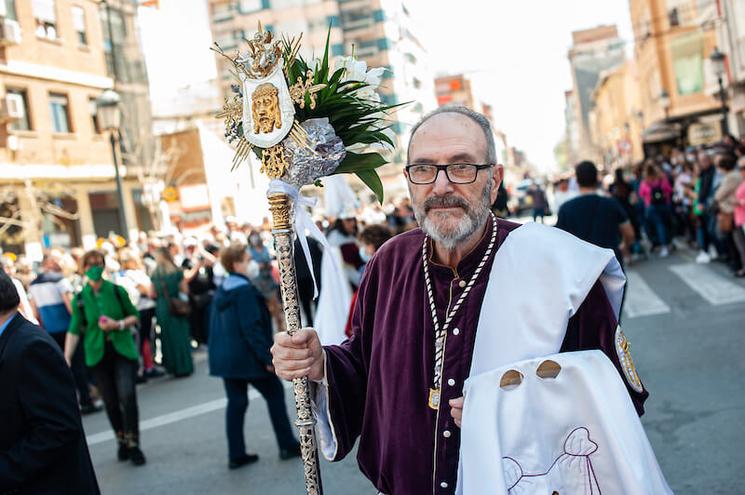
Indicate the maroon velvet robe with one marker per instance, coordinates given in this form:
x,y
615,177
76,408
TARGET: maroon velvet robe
x,y
379,379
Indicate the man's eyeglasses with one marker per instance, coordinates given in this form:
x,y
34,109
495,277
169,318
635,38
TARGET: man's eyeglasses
x,y
457,173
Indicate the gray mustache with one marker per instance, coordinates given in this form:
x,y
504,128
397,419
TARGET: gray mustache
x,y
445,202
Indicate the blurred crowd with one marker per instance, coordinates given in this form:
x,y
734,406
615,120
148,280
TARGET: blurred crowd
x,y
127,312
692,198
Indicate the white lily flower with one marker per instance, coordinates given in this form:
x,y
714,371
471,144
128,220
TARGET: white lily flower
x,y
375,76
356,70
368,94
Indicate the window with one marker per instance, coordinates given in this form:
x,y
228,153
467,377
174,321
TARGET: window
x,y
319,24
10,9
227,40
337,50
371,47
60,110
23,123
688,63
46,19
739,32
115,36
249,6
94,116
285,4
351,16
360,18
78,22
224,11
332,20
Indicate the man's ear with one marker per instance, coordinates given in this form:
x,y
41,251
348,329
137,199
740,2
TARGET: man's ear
x,y
497,178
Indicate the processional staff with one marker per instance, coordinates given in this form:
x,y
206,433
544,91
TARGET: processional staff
x,y
301,120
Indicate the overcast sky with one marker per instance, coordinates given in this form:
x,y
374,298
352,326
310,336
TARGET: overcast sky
x,y
515,52
176,39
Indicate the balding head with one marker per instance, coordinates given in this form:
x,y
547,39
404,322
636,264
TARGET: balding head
x,y
449,139
459,115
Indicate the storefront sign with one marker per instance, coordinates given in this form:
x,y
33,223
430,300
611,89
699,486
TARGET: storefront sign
x,y
704,133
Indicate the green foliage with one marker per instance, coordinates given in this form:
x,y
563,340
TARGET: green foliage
x,y
372,180
355,120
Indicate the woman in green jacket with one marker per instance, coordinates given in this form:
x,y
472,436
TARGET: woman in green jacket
x,y
175,336
104,315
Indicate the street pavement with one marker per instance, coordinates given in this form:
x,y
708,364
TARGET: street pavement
x,y
686,326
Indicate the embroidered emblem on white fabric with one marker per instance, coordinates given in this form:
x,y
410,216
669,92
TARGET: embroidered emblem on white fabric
x,y
627,363
571,470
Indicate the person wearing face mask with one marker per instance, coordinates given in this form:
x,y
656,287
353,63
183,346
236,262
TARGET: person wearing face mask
x,y
104,315
240,338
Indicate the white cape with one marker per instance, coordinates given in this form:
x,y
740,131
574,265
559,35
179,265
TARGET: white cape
x,y
334,301
540,277
575,434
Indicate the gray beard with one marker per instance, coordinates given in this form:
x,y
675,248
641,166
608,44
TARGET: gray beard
x,y
474,219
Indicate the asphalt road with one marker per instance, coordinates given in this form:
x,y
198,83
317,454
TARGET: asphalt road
x,y
686,325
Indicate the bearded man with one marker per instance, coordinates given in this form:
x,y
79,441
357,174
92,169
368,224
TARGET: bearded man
x,y
464,294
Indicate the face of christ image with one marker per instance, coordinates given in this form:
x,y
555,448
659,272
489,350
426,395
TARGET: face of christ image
x,y
265,109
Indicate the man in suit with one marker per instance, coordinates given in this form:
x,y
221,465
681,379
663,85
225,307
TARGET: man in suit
x,y
42,444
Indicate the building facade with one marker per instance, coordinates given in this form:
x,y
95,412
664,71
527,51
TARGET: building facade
x,y
732,43
593,51
615,127
379,32
569,147
454,90
457,89
679,92
125,64
56,168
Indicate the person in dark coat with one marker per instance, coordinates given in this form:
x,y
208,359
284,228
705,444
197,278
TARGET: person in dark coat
x,y
240,338
42,444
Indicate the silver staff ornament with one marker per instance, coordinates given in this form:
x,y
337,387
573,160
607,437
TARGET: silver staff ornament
x,y
303,121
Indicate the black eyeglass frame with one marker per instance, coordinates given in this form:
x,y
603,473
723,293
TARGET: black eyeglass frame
x,y
444,168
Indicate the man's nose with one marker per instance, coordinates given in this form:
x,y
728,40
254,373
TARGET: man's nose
x,y
442,185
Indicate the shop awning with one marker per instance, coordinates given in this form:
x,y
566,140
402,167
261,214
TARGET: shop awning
x,y
661,131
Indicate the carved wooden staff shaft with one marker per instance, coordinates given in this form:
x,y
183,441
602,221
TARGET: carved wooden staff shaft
x,y
281,207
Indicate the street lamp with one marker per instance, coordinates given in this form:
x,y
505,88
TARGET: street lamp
x,y
665,102
109,117
717,62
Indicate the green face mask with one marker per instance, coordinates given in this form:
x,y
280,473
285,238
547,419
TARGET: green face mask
x,y
94,273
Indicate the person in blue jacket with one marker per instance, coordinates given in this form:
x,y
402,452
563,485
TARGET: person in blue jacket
x,y
240,339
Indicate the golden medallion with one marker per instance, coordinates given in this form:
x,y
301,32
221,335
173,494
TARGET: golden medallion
x,y
627,363
434,398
